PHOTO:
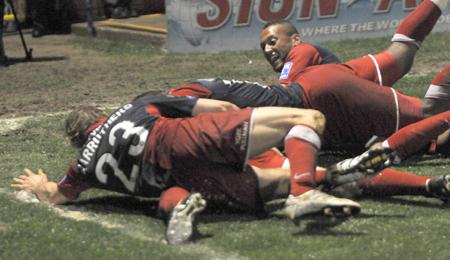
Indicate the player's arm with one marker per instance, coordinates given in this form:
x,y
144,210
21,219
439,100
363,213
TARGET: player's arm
x,y
180,106
211,105
38,183
242,93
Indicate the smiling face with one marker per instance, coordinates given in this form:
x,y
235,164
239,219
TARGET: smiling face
x,y
277,41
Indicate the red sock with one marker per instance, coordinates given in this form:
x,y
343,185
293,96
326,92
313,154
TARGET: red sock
x,y
414,137
440,86
170,198
268,160
443,78
301,151
321,176
419,23
391,182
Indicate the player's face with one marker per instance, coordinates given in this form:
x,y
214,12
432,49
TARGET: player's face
x,y
276,44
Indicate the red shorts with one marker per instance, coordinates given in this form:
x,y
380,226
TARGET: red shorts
x,y
356,109
380,68
207,154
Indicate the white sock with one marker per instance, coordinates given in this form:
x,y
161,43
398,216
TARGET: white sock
x,y
442,4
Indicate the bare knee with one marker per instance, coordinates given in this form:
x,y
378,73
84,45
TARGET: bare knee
x,y
312,118
404,53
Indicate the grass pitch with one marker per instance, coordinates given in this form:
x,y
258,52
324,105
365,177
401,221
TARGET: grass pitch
x,y
106,225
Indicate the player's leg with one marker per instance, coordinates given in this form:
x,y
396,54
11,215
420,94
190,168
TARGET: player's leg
x,y
408,37
179,208
388,66
415,137
300,129
274,178
437,98
390,182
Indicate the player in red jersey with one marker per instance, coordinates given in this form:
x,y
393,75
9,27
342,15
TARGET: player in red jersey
x,y
356,109
387,182
288,54
152,144
350,118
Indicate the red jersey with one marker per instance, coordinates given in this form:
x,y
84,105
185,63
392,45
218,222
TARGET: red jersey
x,y
302,56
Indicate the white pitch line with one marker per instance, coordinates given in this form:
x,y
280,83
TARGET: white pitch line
x,y
78,214
14,123
11,124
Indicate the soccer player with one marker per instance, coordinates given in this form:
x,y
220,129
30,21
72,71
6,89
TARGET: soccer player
x,y
356,109
281,44
388,182
288,54
152,144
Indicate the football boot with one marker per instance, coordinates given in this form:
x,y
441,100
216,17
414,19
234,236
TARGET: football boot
x,y
439,187
362,166
181,225
318,202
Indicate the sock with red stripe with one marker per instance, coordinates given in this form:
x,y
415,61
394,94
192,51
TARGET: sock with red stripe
x,y
170,198
440,85
412,138
390,182
301,145
419,23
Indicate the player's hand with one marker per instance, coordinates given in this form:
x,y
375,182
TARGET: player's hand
x,y
30,181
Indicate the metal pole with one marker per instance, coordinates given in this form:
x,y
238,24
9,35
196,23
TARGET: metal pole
x,y
2,48
90,19
28,52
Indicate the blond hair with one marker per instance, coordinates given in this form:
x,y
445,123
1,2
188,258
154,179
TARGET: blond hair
x,y
78,121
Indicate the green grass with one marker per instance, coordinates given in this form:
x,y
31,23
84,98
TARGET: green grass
x,y
113,226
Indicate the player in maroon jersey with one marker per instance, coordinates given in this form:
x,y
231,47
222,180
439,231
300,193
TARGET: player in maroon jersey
x,y
152,144
388,182
370,119
356,109
288,54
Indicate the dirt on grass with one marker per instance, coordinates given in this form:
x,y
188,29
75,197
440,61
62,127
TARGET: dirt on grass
x,y
65,73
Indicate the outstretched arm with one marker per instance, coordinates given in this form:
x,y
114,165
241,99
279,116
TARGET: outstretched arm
x,y
212,105
37,183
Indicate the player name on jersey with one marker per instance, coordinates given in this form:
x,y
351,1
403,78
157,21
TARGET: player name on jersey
x,y
94,140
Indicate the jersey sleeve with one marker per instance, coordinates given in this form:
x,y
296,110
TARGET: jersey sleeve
x,y
191,89
174,107
251,94
72,184
299,58
303,56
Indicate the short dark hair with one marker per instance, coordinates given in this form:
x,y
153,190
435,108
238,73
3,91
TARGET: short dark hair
x,y
78,121
291,29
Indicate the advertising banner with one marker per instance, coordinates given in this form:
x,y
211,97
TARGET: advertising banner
x,y
221,25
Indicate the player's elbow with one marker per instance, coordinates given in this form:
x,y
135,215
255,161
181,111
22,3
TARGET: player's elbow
x,y
227,106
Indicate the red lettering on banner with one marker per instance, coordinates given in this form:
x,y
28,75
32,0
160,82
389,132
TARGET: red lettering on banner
x,y
305,12
222,11
384,6
244,15
325,9
269,10
409,4
266,13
